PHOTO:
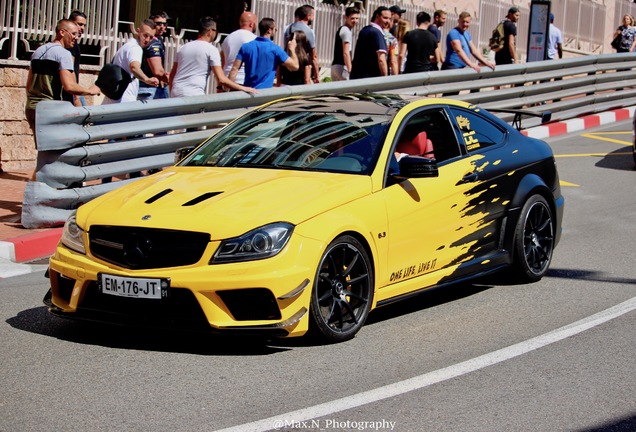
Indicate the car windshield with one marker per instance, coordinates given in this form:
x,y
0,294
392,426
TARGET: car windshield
x,y
313,141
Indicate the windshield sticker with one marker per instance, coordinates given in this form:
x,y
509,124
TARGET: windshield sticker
x,y
470,140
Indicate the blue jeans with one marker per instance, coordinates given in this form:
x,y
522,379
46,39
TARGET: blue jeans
x,y
147,93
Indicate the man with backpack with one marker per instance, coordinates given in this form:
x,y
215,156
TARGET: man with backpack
x,y
504,37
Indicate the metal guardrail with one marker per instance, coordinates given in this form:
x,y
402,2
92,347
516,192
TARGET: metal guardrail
x,y
78,146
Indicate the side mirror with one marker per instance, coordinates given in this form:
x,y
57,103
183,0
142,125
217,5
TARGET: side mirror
x,y
182,153
417,167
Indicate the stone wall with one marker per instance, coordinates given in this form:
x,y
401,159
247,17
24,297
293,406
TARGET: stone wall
x,y
16,138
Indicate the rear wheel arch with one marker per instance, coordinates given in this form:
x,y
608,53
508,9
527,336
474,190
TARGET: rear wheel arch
x,y
530,185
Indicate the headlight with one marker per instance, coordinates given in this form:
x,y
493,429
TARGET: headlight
x,y
263,242
73,235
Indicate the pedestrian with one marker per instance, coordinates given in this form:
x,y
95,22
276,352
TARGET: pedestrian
x,y
153,62
439,19
341,65
508,53
262,57
129,57
233,43
403,27
421,46
79,18
555,40
303,74
371,53
396,14
304,18
392,49
195,60
627,33
51,70
459,47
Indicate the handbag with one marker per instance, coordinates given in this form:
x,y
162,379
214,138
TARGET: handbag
x,y
113,81
616,42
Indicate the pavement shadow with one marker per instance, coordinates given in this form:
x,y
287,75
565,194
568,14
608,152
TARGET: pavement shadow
x,y
39,321
427,299
625,424
618,160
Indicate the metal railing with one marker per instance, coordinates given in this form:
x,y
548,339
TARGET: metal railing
x,y
78,146
24,21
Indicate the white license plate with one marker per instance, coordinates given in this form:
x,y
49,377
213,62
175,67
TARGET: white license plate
x,y
148,288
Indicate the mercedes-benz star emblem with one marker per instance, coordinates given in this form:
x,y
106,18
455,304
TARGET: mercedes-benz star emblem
x,y
137,250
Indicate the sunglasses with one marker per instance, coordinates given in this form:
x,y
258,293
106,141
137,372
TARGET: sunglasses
x,y
161,23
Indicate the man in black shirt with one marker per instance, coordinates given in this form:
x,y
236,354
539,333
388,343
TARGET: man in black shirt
x,y
370,57
508,53
421,45
153,62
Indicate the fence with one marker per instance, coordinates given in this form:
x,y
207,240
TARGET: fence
x,y
24,21
80,145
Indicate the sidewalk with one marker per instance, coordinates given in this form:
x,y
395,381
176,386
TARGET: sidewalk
x,y
18,244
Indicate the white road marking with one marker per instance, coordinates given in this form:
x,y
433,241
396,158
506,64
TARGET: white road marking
x,y
428,379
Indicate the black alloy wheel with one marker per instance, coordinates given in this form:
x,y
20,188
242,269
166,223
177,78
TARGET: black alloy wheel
x,y
534,240
343,291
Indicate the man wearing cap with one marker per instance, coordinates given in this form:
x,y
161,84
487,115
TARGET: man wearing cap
x,y
396,14
508,54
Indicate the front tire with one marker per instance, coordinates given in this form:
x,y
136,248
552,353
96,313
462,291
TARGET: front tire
x,y
534,240
343,291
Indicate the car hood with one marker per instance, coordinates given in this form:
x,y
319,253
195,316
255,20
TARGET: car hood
x,y
225,202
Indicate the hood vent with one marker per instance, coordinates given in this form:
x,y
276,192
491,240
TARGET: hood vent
x,y
159,195
201,198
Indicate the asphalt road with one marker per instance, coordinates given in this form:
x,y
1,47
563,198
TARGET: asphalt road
x,y
557,355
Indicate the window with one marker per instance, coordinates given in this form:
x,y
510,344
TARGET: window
x,y
429,134
476,132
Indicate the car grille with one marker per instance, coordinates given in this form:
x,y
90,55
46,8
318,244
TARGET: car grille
x,y
179,310
146,248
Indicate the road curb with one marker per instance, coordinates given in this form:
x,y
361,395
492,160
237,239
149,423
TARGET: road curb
x,y
579,123
30,247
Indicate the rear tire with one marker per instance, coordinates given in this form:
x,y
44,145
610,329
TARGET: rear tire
x,y
534,241
343,291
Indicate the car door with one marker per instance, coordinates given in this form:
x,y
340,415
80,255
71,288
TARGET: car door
x,y
438,223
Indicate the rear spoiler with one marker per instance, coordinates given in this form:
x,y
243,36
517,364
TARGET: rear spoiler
x,y
516,122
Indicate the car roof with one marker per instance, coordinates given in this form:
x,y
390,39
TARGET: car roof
x,y
350,103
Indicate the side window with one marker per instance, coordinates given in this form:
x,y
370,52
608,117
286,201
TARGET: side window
x,y
476,131
428,133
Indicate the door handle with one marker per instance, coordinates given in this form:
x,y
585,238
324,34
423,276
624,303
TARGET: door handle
x,y
469,178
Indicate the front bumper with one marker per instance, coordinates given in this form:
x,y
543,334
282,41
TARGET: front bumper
x,y
269,296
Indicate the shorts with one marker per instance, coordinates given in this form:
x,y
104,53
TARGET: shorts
x,y
339,73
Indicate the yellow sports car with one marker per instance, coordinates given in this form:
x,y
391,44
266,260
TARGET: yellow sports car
x,y
307,213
